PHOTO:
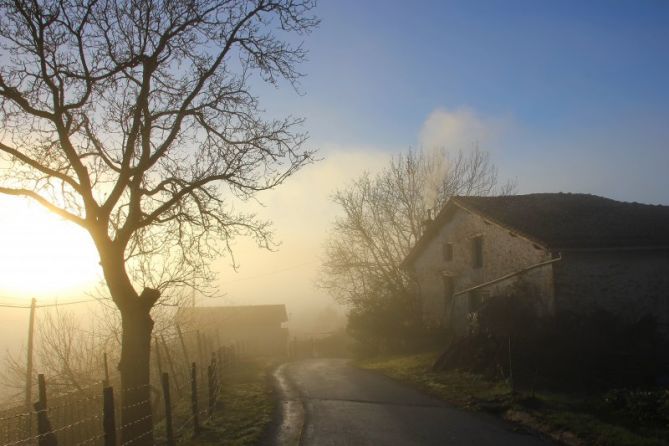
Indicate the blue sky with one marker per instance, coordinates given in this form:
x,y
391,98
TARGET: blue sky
x,y
565,95
580,87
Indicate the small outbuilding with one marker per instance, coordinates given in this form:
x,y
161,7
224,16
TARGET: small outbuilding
x,y
580,253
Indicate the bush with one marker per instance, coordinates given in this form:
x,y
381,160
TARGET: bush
x,y
585,352
639,406
390,325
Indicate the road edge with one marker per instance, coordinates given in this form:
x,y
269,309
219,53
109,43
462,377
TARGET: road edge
x,y
288,431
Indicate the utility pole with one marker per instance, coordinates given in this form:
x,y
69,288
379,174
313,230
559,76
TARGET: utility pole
x,y
29,368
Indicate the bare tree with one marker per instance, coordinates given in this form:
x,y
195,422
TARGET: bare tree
x,y
383,217
136,120
66,351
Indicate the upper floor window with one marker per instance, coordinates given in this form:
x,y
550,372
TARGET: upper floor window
x,y
447,251
477,252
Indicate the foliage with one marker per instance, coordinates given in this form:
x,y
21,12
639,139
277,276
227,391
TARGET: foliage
x,y
639,405
584,352
391,324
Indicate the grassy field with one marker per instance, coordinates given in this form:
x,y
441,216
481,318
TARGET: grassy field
x,y
572,419
244,410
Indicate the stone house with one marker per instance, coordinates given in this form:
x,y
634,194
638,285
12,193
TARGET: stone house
x,y
579,253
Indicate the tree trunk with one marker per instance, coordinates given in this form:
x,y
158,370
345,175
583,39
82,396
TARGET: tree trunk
x,y
136,419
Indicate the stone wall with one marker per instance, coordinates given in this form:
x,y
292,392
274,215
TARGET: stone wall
x,y
629,283
503,253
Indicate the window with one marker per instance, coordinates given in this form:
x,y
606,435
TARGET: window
x,y
447,251
477,252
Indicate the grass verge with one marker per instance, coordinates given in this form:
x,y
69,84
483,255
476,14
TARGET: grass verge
x,y
570,419
244,410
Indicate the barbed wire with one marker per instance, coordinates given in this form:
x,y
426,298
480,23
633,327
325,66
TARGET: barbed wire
x,y
79,390
55,304
141,403
91,440
18,415
137,438
54,431
82,400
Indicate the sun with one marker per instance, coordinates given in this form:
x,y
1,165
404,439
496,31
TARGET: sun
x,y
42,255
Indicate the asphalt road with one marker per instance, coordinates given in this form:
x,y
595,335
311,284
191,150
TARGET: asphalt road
x,y
343,405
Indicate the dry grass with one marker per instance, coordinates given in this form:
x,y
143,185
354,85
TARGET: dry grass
x,y
244,410
558,415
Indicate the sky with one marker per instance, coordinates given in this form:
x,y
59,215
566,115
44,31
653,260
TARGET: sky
x,y
565,95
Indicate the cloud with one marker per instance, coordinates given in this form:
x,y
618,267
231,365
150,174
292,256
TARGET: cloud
x,y
459,129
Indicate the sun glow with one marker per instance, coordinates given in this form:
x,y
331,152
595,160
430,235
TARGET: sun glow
x,y
41,255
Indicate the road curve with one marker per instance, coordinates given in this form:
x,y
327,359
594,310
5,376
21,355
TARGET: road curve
x,y
343,405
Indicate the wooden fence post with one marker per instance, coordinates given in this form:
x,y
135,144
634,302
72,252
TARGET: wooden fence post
x,y
193,389
159,363
108,416
168,410
183,345
171,364
200,347
212,386
44,429
29,365
218,369
29,360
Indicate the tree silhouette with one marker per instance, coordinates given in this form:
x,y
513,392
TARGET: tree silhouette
x,y
383,216
136,120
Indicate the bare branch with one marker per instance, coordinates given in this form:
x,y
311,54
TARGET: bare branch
x,y
384,216
43,202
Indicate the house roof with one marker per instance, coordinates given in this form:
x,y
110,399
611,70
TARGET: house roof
x,y
563,220
244,314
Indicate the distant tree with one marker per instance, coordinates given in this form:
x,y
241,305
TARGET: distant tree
x,y
69,354
136,121
382,217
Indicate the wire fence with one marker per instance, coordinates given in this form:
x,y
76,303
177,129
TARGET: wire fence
x,y
186,381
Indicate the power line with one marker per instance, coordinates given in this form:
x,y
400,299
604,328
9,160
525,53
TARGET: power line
x,y
279,271
56,304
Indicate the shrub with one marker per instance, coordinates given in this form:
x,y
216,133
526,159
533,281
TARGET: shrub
x,y
639,405
585,352
390,325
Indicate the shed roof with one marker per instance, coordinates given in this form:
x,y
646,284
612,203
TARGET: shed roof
x,y
564,220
